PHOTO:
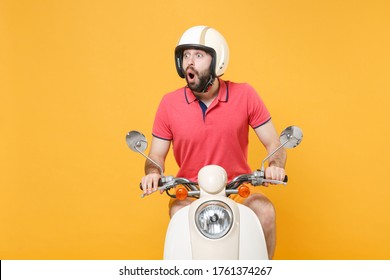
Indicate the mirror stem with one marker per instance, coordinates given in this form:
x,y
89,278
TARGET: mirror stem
x,y
271,154
148,158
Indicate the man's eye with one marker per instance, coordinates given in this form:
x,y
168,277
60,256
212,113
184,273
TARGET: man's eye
x,y
199,55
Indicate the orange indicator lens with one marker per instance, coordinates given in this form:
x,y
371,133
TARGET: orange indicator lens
x,y
181,193
244,191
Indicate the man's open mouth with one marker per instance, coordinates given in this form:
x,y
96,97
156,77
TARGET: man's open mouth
x,y
191,73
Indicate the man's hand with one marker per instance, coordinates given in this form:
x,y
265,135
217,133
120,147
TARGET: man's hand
x,y
158,152
150,183
274,173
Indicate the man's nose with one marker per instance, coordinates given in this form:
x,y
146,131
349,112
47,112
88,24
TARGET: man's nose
x,y
190,60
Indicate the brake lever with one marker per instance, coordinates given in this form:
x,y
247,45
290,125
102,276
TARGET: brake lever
x,y
161,189
276,182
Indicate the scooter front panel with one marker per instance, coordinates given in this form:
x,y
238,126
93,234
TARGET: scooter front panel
x,y
177,240
252,240
226,247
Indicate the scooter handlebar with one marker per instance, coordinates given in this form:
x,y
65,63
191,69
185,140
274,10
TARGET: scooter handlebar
x,y
244,178
169,182
276,182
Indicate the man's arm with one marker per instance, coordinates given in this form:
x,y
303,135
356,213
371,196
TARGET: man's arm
x,y
158,152
270,139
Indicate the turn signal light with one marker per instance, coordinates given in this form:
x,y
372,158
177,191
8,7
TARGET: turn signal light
x,y
244,191
181,193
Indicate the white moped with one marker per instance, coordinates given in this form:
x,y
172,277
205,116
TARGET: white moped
x,y
214,226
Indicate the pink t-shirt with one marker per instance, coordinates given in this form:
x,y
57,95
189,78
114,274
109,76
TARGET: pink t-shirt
x,y
218,135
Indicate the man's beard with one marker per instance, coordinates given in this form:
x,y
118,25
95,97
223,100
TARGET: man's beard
x,y
201,84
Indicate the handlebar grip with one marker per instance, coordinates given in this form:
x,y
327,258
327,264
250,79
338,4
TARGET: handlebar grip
x,y
159,184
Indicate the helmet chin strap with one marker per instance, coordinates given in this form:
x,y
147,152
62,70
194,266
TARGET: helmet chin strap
x,y
209,84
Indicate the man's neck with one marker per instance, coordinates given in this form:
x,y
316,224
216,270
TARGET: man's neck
x,y
209,96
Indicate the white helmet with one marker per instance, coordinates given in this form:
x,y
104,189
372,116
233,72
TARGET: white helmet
x,y
209,40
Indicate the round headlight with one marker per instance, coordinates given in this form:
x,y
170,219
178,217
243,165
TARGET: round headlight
x,y
214,219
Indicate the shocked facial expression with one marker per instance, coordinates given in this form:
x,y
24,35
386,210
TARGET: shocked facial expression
x,y
196,65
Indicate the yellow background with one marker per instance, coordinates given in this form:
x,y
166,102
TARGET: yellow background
x,y
76,76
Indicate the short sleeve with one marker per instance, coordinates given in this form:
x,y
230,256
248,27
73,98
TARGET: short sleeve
x,y
161,126
258,113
